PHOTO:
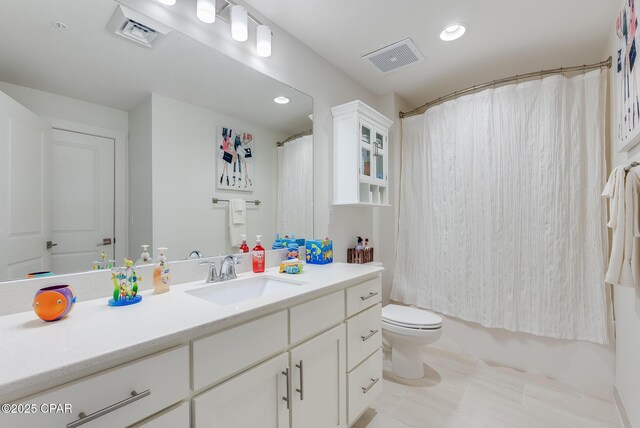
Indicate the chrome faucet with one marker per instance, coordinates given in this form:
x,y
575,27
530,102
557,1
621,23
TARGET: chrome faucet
x,y
195,254
228,267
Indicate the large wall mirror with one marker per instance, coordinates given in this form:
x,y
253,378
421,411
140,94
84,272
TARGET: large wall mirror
x,y
106,144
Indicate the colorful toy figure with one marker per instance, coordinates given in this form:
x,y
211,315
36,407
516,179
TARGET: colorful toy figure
x,y
125,285
103,263
54,303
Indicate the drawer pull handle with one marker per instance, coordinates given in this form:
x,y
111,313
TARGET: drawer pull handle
x,y
368,336
366,389
84,418
371,294
286,375
301,389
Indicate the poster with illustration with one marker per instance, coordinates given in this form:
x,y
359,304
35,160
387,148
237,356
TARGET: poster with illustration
x,y
235,166
628,105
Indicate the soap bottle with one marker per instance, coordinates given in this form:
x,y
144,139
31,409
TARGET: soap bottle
x,y
258,256
161,279
244,248
145,257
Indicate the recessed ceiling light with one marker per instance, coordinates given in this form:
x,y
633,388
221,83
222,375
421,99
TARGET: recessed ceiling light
x,y
168,2
281,100
452,32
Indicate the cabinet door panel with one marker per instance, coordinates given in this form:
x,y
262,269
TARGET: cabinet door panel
x,y
319,381
252,399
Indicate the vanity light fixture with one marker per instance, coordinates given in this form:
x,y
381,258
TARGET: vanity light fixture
x,y
452,32
263,40
168,2
206,11
239,23
281,100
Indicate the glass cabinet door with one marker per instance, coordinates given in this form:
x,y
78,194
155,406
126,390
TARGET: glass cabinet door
x,y
367,149
380,157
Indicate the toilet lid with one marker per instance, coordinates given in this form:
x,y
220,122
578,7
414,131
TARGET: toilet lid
x,y
406,316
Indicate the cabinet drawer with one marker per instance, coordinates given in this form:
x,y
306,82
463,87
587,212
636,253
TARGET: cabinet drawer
x,y
160,381
223,354
317,315
175,417
364,384
364,335
362,296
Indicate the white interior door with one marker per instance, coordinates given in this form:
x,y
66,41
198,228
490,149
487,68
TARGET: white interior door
x,y
24,190
82,206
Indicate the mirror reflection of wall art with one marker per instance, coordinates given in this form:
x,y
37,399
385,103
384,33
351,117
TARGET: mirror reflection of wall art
x,y
628,77
235,160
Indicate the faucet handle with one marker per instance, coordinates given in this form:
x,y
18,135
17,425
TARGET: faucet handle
x,y
212,275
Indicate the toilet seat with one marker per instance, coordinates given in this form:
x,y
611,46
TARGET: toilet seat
x,y
405,317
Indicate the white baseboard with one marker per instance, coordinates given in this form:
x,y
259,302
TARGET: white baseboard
x,y
623,413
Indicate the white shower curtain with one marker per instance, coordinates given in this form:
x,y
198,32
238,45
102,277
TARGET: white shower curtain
x,y
295,188
501,221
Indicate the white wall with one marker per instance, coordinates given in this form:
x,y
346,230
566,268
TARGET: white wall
x,y
59,107
140,179
294,64
184,149
626,300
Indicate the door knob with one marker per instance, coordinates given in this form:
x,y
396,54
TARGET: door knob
x,y
51,244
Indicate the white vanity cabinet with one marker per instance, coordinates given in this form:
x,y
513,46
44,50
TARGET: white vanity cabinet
x,y
118,397
259,397
319,381
315,364
360,155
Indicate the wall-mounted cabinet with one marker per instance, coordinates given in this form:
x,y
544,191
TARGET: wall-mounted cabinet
x,y
360,155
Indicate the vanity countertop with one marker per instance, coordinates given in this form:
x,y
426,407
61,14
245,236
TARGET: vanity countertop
x,y
37,353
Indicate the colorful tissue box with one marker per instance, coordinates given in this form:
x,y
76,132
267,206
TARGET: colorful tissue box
x,y
319,252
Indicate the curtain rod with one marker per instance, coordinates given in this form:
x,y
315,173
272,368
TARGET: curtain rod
x,y
516,78
294,137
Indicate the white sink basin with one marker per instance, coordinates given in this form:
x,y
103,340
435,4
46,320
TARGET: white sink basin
x,y
241,290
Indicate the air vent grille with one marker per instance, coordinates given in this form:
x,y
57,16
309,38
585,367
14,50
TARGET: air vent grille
x,y
137,27
395,56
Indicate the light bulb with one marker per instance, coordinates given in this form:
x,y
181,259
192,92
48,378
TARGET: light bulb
x,y
452,32
206,11
239,23
263,40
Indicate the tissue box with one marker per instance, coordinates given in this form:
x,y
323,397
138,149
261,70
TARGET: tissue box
x,y
319,252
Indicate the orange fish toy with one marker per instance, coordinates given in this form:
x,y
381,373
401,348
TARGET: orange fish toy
x,y
54,303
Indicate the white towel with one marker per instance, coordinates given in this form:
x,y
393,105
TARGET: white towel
x,y
237,221
624,264
238,210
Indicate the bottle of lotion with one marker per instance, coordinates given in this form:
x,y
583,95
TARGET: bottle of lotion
x,y
258,256
161,279
244,248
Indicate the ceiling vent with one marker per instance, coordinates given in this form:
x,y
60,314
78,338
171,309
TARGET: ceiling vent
x,y
396,56
137,27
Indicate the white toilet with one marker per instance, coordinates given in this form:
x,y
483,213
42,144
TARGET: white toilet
x,y
405,330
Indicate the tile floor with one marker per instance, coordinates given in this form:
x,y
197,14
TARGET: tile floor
x,y
460,391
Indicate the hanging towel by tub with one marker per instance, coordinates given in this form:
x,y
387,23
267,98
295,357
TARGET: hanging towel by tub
x,y
624,264
237,221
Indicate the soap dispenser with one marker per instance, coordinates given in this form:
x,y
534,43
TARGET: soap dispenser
x,y
161,279
244,248
258,256
145,257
